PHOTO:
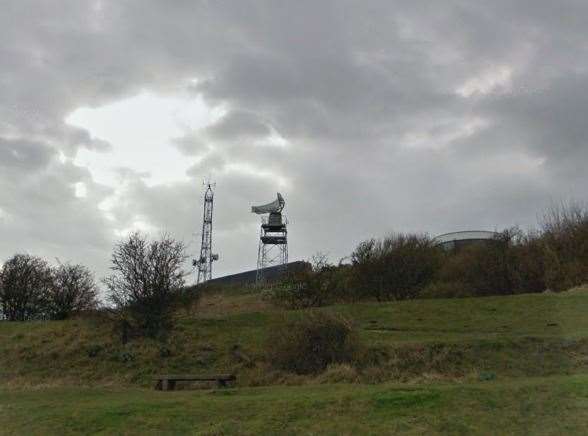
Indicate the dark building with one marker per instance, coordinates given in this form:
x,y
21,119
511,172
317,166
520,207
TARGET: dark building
x,y
270,274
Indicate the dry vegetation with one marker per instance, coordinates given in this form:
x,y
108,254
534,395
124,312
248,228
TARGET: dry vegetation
x,y
408,266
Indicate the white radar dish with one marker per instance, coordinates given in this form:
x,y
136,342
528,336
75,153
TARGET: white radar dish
x,y
275,206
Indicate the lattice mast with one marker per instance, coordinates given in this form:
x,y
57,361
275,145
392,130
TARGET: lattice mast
x,y
204,262
273,236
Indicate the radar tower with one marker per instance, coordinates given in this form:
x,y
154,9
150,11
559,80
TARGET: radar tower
x,y
273,236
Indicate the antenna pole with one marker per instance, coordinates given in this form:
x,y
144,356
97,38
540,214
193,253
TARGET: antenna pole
x,y
204,262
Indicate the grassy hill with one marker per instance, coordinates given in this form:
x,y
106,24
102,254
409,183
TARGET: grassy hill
x,y
458,366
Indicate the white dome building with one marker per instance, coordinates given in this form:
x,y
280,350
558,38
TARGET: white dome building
x,y
457,240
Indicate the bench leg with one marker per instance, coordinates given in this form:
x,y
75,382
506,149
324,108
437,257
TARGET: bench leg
x,y
158,385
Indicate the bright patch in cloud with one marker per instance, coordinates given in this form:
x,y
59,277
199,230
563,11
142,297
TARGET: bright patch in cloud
x,y
273,140
81,191
440,135
486,83
137,225
140,130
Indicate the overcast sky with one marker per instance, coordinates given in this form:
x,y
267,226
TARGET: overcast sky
x,y
368,116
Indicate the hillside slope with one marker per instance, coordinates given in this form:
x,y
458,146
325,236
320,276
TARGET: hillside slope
x,y
506,365
523,335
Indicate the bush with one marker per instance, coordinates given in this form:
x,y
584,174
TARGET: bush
x,y
530,261
396,268
25,282
565,240
314,286
446,290
72,290
147,282
307,345
483,269
405,266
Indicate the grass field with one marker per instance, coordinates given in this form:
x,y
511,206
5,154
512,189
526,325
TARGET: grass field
x,y
496,365
554,405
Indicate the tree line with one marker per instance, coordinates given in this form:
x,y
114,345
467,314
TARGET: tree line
x,y
553,257
147,281
146,285
32,289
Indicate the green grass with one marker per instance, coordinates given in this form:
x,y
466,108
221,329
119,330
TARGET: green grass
x,y
450,320
556,405
530,335
496,365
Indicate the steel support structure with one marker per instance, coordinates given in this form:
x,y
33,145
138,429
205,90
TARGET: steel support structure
x,y
204,262
273,244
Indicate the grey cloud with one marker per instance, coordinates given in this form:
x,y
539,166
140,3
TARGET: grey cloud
x,y
238,125
26,156
191,144
213,162
344,83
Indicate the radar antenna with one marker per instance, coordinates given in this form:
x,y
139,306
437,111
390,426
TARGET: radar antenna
x,y
273,236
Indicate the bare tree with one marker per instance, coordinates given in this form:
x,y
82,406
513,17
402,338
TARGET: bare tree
x,y
73,290
25,282
563,217
147,278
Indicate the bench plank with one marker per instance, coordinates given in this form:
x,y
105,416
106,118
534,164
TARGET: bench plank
x,y
167,382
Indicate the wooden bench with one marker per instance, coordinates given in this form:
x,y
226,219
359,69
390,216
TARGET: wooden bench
x,y
168,382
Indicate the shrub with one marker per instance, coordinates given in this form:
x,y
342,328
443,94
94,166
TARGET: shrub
x,y
25,282
147,279
396,268
531,262
308,287
482,269
307,345
565,239
72,290
445,290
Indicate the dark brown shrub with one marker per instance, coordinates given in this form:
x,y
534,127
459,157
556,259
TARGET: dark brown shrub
x,y
530,263
307,345
396,268
25,282
147,280
565,239
483,269
73,290
315,286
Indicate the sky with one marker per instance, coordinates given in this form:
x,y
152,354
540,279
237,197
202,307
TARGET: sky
x,y
370,117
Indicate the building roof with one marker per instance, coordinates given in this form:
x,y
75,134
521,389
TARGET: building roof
x,y
464,236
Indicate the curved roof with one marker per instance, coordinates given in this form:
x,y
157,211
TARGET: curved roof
x,y
464,236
